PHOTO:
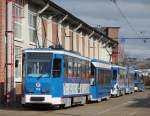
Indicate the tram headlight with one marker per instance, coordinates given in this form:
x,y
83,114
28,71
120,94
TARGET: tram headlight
x,y
45,90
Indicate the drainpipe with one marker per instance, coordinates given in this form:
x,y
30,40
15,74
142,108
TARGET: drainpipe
x,y
9,52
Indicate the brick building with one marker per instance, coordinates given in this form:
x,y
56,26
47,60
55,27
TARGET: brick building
x,y
113,32
2,49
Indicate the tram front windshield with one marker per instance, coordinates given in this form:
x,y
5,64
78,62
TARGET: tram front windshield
x,y
39,63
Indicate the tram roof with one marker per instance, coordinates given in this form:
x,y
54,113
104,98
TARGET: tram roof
x,y
101,61
55,51
101,64
117,66
138,71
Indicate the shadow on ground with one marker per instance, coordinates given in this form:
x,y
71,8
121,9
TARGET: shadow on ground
x,y
141,102
147,87
34,108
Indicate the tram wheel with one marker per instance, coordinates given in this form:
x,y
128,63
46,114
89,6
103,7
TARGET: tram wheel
x,y
61,106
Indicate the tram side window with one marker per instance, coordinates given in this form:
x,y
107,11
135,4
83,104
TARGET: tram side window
x,y
92,70
101,77
135,76
23,65
56,67
70,71
83,76
75,69
82,69
66,67
92,76
87,70
79,70
108,76
97,74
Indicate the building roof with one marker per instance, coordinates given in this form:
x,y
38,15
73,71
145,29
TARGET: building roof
x,y
62,12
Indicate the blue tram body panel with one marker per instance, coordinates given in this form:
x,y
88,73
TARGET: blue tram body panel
x,y
100,83
93,91
36,85
45,80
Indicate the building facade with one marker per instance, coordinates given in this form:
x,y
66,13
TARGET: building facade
x,y
45,24
2,49
113,33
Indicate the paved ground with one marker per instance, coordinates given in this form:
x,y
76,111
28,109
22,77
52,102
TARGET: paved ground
x,y
137,104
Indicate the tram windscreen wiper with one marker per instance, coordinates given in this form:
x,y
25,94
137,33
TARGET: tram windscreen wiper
x,y
40,76
43,75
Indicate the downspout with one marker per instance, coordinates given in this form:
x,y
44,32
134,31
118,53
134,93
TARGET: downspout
x,y
9,52
6,52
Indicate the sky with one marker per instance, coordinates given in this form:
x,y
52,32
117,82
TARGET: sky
x,y
106,13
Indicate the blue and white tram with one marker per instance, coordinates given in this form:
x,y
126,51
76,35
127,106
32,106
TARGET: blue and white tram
x,y
100,84
119,80
138,81
130,81
55,77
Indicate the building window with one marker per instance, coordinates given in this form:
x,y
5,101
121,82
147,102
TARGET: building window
x,y
32,27
18,25
17,59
